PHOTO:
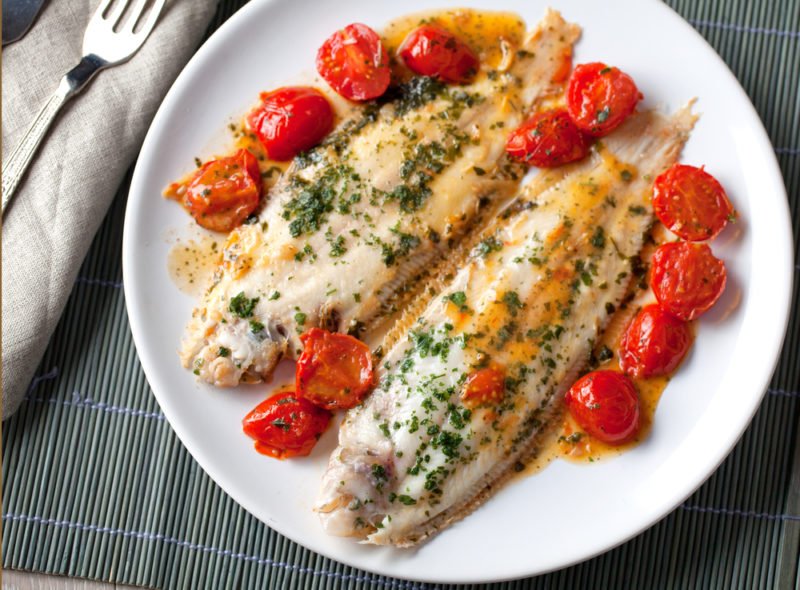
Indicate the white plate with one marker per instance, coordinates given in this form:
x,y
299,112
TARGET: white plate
x,y
566,513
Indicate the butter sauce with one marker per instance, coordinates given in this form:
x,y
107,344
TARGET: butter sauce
x,y
565,439
192,262
480,30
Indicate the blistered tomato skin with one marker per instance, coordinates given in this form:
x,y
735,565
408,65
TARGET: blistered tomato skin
x,y
334,371
691,203
606,405
431,50
484,387
686,278
354,62
654,343
224,192
600,98
290,120
548,139
285,425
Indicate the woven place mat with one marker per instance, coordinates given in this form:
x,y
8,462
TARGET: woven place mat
x,y
97,485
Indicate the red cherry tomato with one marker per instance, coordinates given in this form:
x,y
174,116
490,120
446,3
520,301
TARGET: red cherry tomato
x,y
605,404
285,425
334,370
654,343
431,50
691,203
291,120
224,192
484,387
354,62
548,139
599,98
687,278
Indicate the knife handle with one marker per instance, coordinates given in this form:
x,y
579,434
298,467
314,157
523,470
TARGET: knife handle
x,y
14,168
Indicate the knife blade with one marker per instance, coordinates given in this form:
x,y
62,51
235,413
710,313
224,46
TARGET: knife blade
x,y
18,16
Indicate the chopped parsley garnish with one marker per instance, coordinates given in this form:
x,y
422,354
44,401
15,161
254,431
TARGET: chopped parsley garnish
x,y
605,354
307,211
390,253
490,244
379,473
598,239
280,423
337,247
449,443
223,352
242,306
459,298
414,93
512,302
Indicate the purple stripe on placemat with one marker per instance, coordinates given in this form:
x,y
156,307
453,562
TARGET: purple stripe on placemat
x,y
206,549
100,282
743,28
734,512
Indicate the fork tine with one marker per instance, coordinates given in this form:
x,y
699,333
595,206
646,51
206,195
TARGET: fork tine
x,y
103,6
136,15
148,25
115,15
98,13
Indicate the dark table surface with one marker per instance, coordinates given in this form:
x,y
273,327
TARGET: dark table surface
x,y
74,503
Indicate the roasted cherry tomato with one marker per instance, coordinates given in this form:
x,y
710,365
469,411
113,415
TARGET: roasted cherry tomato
x,y
224,192
691,203
354,62
599,98
431,50
654,343
605,404
484,387
687,278
548,139
334,370
291,120
285,425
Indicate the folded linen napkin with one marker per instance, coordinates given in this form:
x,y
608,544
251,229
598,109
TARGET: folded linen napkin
x,y
59,205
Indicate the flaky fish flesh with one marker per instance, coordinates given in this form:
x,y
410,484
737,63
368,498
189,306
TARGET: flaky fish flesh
x,y
351,223
528,300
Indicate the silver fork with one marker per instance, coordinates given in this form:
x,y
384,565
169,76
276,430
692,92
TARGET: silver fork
x,y
106,42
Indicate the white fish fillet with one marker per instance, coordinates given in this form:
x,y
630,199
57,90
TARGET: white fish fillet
x,y
355,221
531,298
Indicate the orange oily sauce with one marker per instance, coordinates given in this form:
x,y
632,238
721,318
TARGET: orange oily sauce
x,y
480,30
565,439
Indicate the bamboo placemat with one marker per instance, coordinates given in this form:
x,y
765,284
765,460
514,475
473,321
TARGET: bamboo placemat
x,y
96,484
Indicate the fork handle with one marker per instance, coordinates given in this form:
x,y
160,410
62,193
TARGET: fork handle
x,y
14,168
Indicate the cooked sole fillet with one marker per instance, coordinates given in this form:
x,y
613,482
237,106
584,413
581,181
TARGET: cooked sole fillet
x,y
354,221
530,298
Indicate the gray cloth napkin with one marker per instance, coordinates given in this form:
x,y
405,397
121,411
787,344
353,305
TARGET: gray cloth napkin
x,y
60,203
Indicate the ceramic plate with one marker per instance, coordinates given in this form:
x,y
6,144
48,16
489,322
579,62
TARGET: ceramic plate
x,y
567,512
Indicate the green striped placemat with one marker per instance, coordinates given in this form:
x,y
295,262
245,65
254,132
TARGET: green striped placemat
x,y
96,484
